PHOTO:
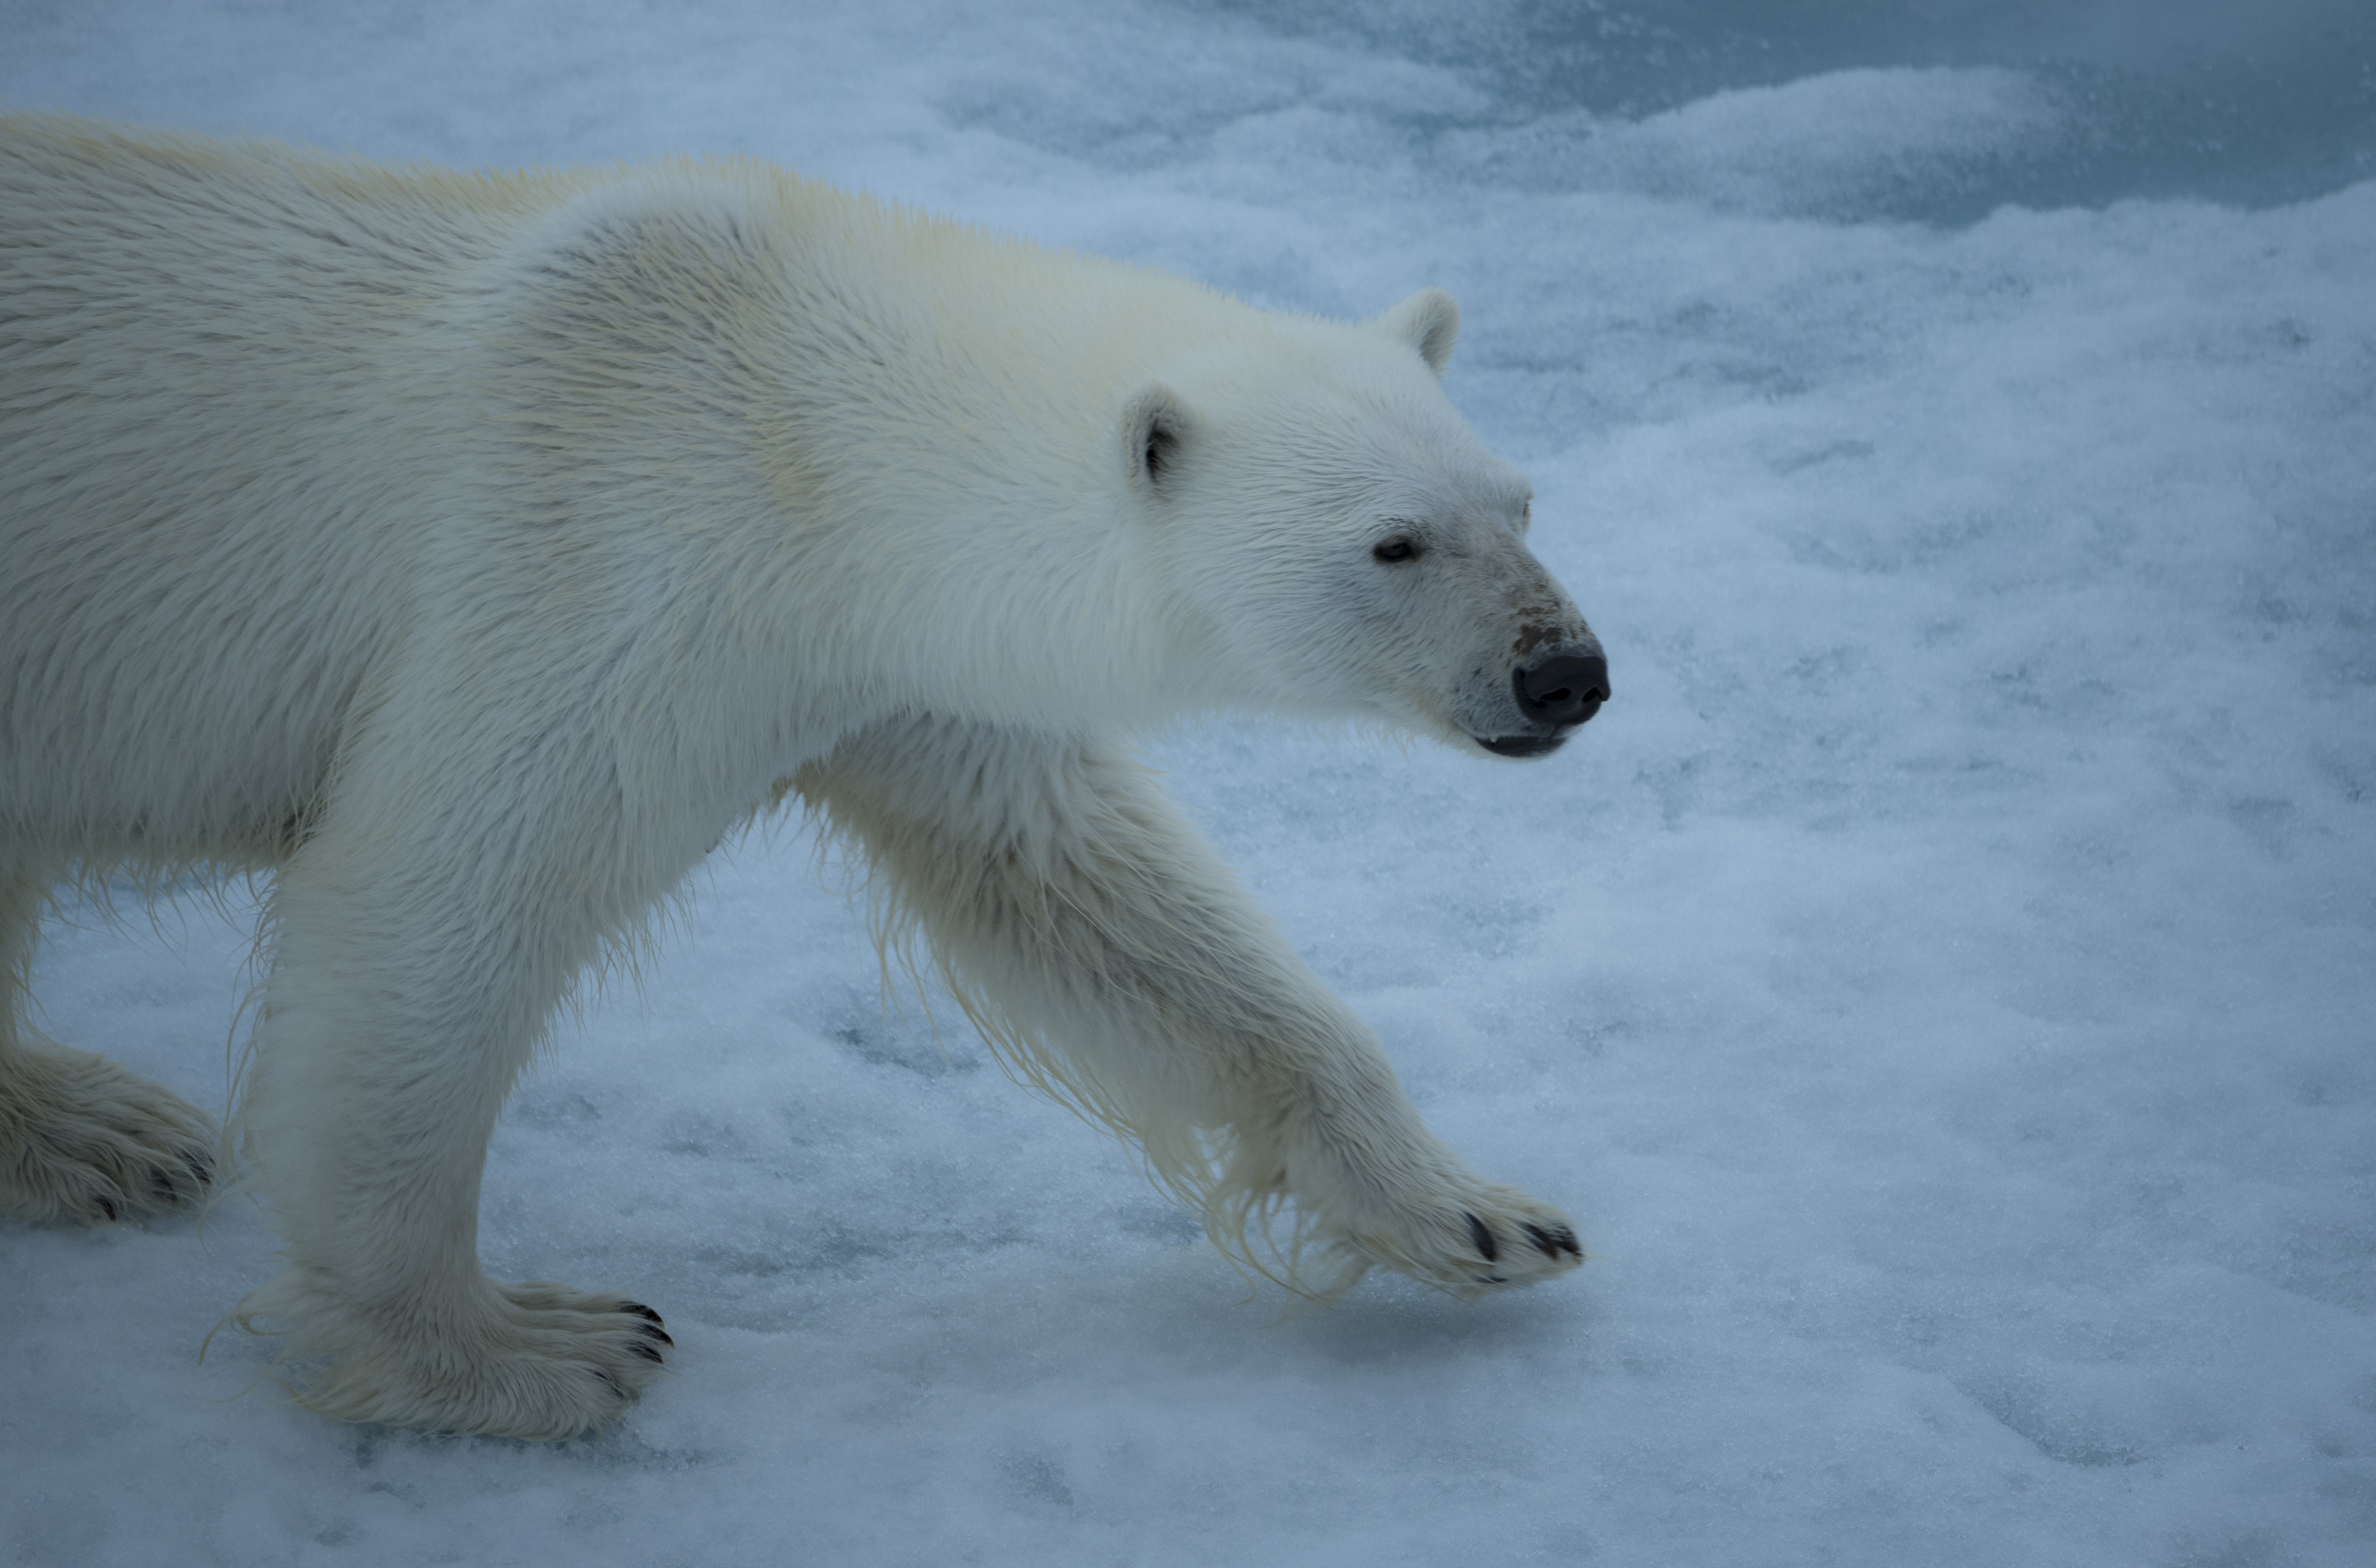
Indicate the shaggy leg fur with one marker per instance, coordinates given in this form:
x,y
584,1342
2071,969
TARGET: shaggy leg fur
x,y
1099,942
422,938
80,1138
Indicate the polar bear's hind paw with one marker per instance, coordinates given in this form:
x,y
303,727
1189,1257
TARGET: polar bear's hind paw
x,y
534,1360
83,1140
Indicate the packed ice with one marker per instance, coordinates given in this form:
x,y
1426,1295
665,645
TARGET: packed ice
x,y
1940,982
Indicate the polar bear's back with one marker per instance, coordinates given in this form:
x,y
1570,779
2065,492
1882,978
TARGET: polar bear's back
x,y
206,394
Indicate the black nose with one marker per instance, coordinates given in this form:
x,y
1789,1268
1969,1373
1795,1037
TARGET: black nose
x,y
1566,686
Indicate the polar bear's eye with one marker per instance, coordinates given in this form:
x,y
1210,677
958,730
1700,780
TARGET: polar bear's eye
x,y
1399,548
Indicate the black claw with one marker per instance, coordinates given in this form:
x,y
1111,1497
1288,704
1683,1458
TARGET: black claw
x,y
639,1310
1482,1237
654,1331
1552,1242
614,1381
638,1347
107,1207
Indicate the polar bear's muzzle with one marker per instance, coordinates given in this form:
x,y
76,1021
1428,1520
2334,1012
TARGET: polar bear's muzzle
x,y
1564,688
1554,693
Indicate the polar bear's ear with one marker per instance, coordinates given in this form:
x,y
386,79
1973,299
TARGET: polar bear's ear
x,y
1152,429
1428,321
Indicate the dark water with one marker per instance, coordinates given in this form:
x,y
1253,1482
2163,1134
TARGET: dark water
x,y
2251,102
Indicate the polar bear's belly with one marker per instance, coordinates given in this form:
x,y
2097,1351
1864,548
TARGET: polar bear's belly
x,y
189,609
191,718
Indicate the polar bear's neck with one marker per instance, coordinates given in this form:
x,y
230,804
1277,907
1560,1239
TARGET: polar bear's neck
x,y
899,437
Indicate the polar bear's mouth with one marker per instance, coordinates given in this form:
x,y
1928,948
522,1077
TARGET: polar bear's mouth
x,y
1524,745
1560,691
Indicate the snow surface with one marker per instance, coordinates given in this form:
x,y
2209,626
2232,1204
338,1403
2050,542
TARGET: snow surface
x,y
1940,983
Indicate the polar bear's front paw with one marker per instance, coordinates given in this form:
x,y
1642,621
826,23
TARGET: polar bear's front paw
x,y
1554,1239
1468,1242
542,1363
82,1139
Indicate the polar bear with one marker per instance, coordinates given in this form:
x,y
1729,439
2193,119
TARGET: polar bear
x,y
473,552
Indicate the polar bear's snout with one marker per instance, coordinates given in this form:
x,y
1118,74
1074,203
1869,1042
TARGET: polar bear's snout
x,y
1564,687
1551,694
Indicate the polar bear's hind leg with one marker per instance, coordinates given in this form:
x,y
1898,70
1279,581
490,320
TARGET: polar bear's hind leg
x,y
81,1138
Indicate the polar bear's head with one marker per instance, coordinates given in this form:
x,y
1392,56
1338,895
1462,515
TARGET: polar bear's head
x,y
1344,544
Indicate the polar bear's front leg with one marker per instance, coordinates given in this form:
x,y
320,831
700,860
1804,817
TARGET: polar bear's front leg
x,y
1102,943
422,940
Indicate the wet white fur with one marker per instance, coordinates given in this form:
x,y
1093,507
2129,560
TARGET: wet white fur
x,y
474,552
